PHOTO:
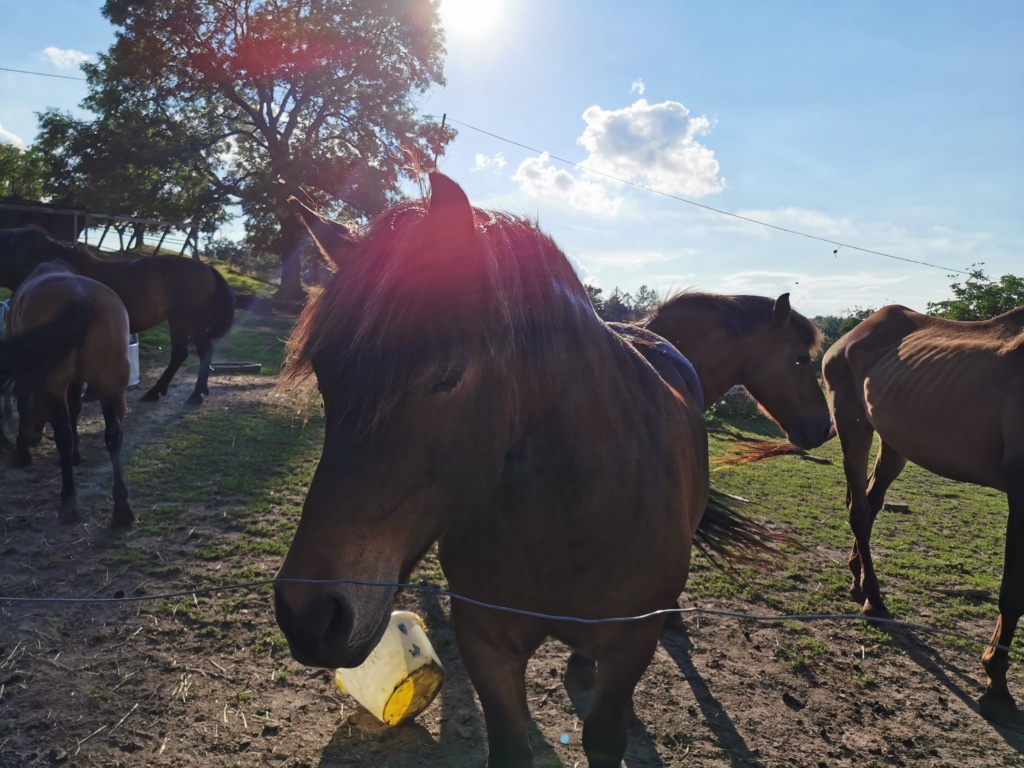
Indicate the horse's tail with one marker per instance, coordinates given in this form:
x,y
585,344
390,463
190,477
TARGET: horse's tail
x,y
222,315
28,358
750,450
728,535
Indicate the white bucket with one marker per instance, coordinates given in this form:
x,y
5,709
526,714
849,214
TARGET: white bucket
x,y
133,359
401,676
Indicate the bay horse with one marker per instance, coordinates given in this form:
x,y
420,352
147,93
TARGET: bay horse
x,y
755,342
949,396
67,330
473,397
194,298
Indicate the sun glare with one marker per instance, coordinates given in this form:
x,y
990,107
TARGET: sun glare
x,y
469,18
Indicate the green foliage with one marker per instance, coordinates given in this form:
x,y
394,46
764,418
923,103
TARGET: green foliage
x,y
22,172
239,256
621,307
239,96
834,327
979,298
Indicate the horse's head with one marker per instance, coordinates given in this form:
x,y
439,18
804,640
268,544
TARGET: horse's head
x,y
782,379
409,345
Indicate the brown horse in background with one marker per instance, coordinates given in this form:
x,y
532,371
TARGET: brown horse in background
x,y
755,342
472,396
948,396
67,330
193,298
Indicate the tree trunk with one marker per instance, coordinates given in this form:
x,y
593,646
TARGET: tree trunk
x,y
291,261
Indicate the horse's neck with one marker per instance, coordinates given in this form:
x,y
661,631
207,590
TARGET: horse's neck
x,y
715,355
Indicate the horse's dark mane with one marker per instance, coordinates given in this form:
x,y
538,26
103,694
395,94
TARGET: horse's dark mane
x,y
408,297
22,248
742,314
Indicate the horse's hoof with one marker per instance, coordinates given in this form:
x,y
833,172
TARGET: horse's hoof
x,y
195,399
151,397
857,594
1000,709
580,671
123,516
68,513
674,623
21,459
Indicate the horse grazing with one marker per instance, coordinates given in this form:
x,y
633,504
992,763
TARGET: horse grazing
x,y
473,397
67,330
948,396
755,342
193,298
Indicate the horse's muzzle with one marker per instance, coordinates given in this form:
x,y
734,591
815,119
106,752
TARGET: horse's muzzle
x,y
810,433
320,630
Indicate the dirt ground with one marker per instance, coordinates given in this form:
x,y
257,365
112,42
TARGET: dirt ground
x,y
135,684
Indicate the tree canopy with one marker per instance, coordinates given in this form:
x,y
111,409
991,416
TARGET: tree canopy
x,y
979,298
207,102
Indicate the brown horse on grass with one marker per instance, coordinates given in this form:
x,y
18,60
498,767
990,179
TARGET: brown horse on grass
x,y
473,397
193,298
67,330
755,342
948,396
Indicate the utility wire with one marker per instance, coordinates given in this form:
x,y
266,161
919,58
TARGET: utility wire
x,y
695,610
40,74
706,207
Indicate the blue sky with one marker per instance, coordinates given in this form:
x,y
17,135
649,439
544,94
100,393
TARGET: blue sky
x,y
892,127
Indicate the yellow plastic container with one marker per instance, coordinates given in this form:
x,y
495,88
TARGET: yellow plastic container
x,y
401,676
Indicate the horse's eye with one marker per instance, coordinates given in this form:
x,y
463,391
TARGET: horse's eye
x,y
803,359
446,383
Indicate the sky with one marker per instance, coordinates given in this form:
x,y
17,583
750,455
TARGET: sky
x,y
655,140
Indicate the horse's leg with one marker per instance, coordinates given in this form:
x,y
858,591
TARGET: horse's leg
x,y
74,410
498,674
996,703
179,351
63,437
606,726
855,437
888,465
113,413
204,347
24,440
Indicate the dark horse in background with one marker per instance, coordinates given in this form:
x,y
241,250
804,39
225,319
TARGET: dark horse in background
x,y
948,396
67,330
473,397
193,298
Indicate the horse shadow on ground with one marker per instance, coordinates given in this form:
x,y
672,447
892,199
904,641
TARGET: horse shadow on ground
x,y
953,678
679,647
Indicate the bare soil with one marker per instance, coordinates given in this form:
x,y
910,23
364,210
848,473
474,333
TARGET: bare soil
x,y
142,684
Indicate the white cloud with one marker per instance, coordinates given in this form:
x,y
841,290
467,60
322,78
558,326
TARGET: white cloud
x,y
65,58
540,178
798,219
489,161
638,87
654,144
624,259
6,137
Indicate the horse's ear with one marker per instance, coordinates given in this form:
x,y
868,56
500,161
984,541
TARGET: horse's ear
x,y
449,204
782,310
332,238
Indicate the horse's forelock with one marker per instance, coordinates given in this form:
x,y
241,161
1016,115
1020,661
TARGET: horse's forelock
x,y
409,295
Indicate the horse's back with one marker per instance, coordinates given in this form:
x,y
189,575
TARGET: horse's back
x,y
945,394
102,360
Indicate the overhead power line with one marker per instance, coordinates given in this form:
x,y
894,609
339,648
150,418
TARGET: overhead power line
x,y
720,211
40,74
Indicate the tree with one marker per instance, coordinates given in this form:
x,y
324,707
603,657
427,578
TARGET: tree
x,y
22,172
834,327
247,94
645,301
979,298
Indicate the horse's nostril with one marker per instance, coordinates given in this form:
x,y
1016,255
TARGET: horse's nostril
x,y
342,618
